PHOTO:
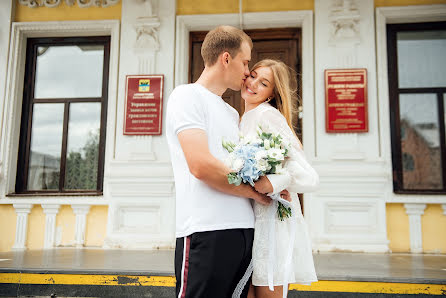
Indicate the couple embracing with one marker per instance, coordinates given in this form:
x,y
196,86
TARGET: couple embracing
x,y
222,230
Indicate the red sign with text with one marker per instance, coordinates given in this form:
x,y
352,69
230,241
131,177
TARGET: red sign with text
x,y
143,105
346,100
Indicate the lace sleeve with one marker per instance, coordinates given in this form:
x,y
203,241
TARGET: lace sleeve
x,y
299,176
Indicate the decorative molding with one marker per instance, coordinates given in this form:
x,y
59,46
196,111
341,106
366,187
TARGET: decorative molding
x,y
22,211
50,211
147,42
80,3
81,212
414,211
344,18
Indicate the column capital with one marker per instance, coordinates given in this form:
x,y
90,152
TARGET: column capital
x,y
80,209
414,208
22,208
50,208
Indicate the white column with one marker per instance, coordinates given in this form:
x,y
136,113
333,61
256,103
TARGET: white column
x,y
21,230
50,211
81,212
414,211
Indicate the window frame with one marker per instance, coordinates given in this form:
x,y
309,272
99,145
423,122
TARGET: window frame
x,y
394,93
27,110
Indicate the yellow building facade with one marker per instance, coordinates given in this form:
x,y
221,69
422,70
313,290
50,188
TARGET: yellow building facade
x,y
104,213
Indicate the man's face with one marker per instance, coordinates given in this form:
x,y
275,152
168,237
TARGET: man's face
x,y
238,68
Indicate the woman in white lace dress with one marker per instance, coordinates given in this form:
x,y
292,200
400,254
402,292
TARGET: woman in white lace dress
x,y
269,102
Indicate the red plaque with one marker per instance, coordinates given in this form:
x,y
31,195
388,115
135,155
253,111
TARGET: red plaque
x,y
143,105
346,100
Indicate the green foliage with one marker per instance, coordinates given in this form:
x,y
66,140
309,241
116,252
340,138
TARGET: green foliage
x,y
234,179
81,169
283,212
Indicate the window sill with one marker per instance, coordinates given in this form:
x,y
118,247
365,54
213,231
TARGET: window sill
x,y
55,198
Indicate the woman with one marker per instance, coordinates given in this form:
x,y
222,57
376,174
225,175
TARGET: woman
x,y
269,99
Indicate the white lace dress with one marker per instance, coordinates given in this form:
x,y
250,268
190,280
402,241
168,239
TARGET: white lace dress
x,y
298,177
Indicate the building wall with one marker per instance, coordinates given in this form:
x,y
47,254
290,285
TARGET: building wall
x,y
185,7
66,13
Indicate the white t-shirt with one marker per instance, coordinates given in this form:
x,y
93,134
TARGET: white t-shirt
x,y
199,207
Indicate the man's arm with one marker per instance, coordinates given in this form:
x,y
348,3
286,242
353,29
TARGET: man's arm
x,y
205,167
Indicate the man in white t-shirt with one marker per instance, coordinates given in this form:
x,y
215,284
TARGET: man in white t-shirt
x,y
214,220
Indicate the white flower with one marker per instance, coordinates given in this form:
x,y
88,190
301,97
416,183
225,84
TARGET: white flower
x,y
262,154
266,144
237,165
262,165
277,154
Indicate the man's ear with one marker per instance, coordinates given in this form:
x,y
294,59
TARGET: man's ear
x,y
225,58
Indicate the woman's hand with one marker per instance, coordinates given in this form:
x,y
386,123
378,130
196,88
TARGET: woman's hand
x,y
285,194
263,185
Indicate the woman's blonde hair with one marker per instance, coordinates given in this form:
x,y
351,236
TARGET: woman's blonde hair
x,y
285,88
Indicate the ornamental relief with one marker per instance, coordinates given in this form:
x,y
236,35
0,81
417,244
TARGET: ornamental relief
x,y
344,18
80,3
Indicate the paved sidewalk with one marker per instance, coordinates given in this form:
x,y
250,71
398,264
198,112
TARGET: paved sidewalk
x,y
402,268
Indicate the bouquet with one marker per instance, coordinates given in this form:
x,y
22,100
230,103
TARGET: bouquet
x,y
256,157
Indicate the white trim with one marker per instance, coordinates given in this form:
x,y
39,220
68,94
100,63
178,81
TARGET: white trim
x,y
14,87
21,231
257,20
415,211
396,15
182,267
81,212
50,211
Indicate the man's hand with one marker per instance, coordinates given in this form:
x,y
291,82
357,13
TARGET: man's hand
x,y
263,185
261,198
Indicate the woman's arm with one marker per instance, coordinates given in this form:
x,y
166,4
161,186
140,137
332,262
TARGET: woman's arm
x,y
297,175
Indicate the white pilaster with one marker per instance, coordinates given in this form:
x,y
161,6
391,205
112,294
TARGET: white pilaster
x,y
414,211
138,179
21,230
6,8
81,212
50,211
348,212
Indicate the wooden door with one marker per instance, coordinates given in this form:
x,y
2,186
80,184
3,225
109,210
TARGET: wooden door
x,y
281,44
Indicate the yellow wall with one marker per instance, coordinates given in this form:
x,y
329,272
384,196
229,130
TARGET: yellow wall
x,y
8,219
66,13
231,6
397,228
433,223
407,2
96,226
65,224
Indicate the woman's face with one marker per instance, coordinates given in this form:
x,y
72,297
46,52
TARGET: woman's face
x,y
258,86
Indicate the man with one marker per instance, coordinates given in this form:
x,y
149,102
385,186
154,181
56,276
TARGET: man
x,y
214,220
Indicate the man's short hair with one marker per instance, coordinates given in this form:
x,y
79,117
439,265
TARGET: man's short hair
x,y
222,39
